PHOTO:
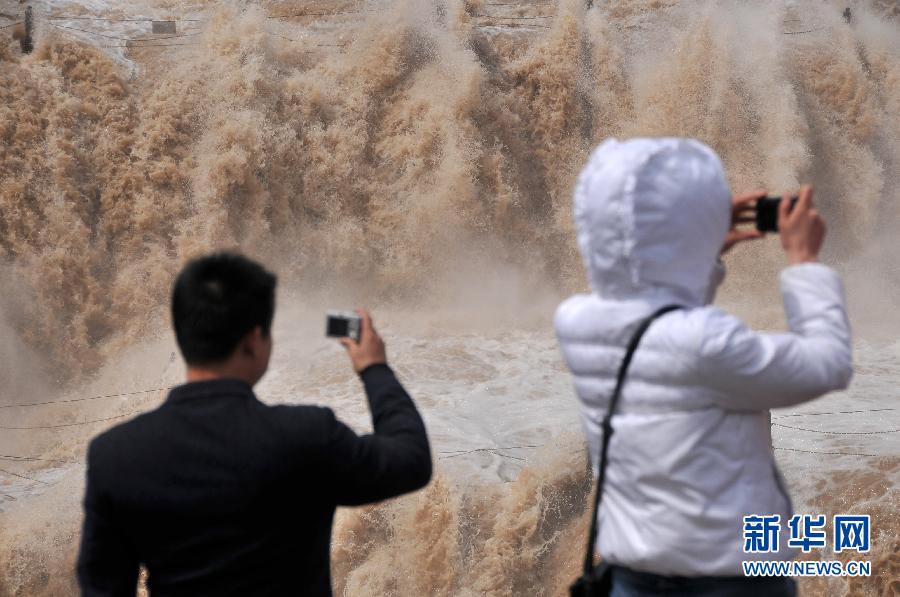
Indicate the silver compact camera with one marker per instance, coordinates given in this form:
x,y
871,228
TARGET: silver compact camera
x,y
343,324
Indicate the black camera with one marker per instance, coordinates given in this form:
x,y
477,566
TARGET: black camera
x,y
767,213
343,324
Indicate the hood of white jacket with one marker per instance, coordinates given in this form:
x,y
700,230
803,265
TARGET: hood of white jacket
x,y
651,216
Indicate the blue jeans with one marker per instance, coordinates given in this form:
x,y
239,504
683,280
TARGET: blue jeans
x,y
630,583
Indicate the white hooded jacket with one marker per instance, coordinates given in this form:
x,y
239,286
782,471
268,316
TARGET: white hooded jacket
x,y
691,454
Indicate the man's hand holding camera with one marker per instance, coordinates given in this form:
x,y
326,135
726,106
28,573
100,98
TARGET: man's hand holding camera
x,y
370,348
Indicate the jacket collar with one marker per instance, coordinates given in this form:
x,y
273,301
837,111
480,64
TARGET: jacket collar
x,y
215,388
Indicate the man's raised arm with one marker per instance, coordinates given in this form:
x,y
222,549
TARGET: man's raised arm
x,y
394,459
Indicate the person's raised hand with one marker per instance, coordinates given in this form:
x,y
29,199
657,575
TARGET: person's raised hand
x,y
742,212
370,348
802,229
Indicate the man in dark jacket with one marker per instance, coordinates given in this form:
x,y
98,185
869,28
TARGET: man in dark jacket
x,y
216,493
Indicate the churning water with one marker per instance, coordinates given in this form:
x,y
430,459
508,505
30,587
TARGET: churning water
x,y
419,157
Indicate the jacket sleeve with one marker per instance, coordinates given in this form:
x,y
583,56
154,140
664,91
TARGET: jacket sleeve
x,y
107,564
394,459
757,371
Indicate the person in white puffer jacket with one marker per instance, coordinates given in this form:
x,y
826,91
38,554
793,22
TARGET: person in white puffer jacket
x,y
691,454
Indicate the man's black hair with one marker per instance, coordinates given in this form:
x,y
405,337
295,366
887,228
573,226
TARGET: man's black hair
x,y
216,301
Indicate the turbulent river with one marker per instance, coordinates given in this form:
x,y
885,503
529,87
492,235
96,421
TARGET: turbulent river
x,y
418,158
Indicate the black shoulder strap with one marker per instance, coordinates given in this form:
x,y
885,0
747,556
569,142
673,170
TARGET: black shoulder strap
x,y
608,430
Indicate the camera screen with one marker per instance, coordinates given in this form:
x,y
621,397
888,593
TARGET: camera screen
x,y
767,213
336,326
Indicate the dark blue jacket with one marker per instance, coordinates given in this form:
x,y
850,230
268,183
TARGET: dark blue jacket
x,y
216,493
